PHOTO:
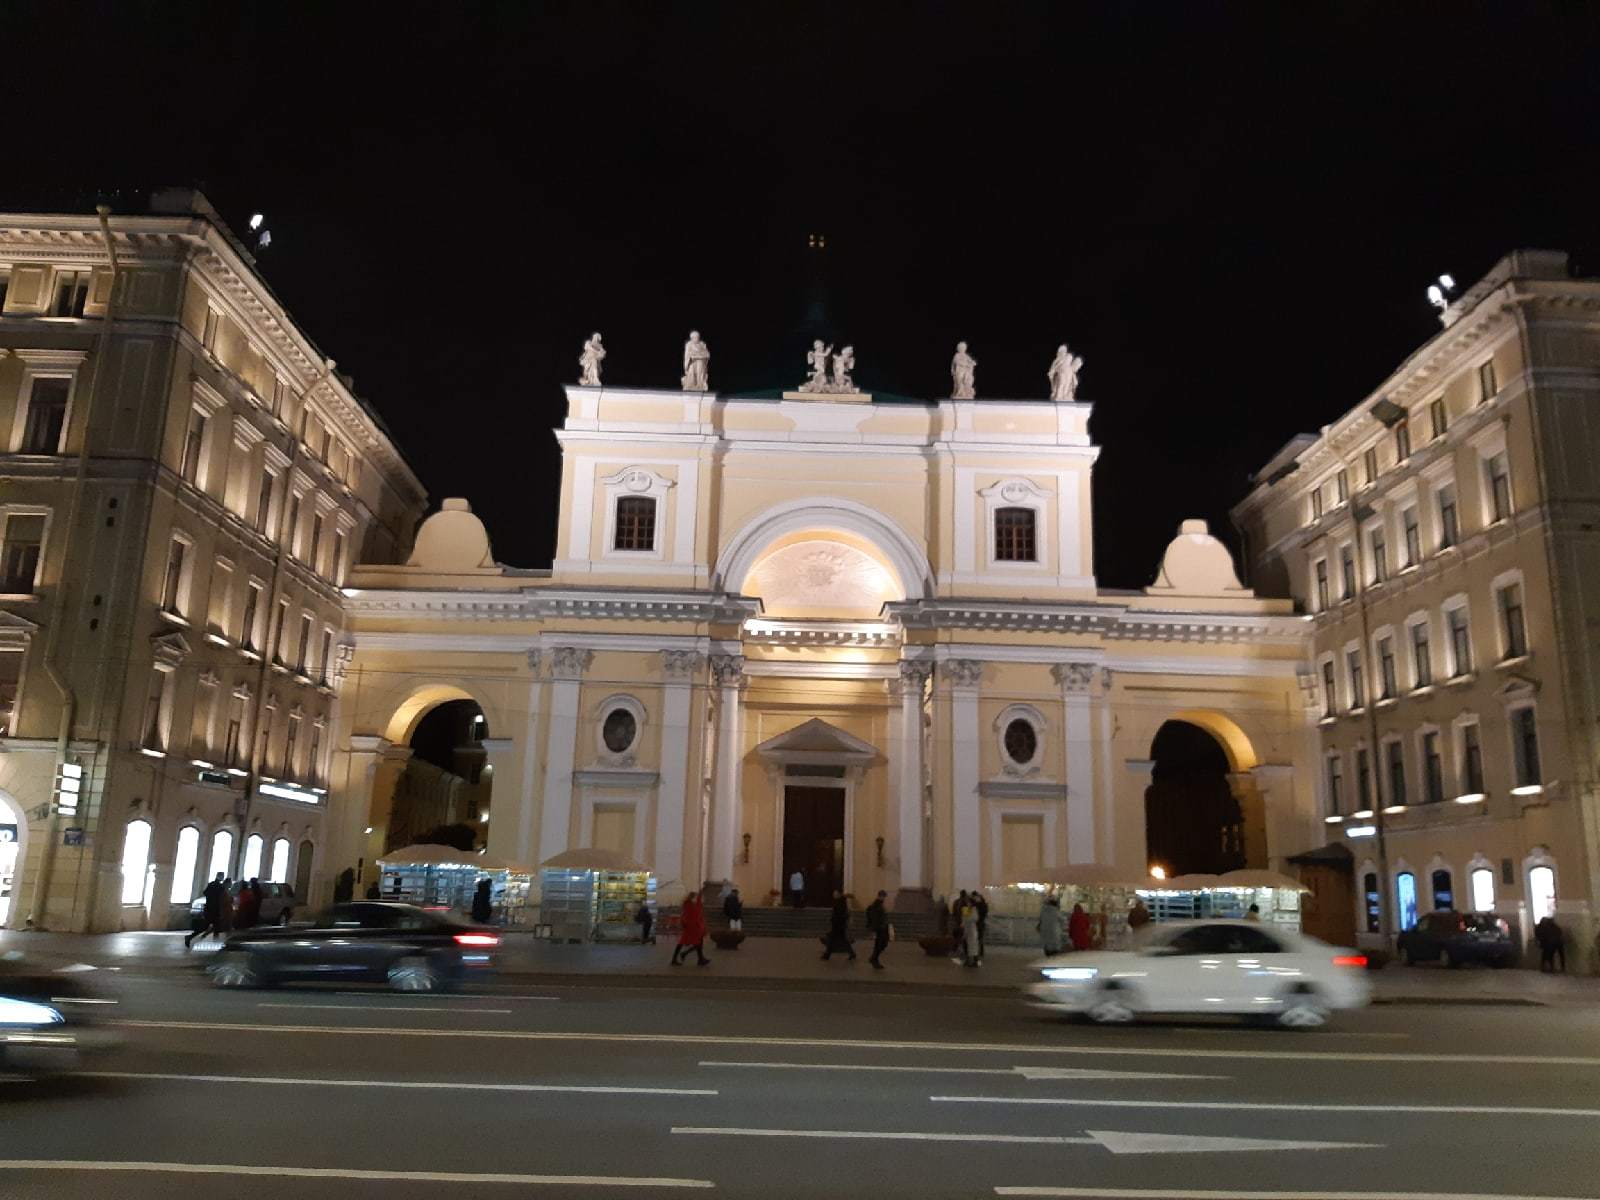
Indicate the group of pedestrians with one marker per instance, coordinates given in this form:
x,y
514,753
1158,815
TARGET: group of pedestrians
x,y
222,912
1076,926
969,918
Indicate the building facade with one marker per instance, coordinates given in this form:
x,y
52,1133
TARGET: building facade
x,y
185,482
862,640
1444,537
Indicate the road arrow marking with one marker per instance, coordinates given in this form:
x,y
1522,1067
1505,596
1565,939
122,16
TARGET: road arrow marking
x,y
1183,1143
1037,1073
1235,1106
868,1135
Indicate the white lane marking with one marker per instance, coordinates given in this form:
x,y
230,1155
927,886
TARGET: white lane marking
x,y
387,1007
1105,1193
420,1085
176,1168
692,1039
869,1135
1035,1073
1239,1106
469,996
1184,1143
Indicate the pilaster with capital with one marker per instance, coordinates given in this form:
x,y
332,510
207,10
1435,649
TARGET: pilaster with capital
x,y
1081,694
728,672
963,678
679,671
567,667
905,747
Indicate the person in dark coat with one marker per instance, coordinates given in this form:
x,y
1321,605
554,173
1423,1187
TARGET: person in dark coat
x,y
693,935
483,902
645,920
1079,930
878,925
839,928
1552,944
211,914
982,906
733,909
247,910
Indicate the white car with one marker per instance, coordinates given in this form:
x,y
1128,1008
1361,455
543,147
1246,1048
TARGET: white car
x,y
1238,967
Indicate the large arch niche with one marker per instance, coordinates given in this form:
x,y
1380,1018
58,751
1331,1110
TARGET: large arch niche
x,y
13,853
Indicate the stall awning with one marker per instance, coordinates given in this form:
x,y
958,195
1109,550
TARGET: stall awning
x,y
593,858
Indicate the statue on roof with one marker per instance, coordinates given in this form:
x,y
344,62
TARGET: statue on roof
x,y
817,360
589,361
1063,374
843,363
963,374
696,364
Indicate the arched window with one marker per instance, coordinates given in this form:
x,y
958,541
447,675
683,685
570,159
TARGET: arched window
x,y
254,845
280,861
1405,895
1014,539
1482,889
135,861
1542,891
184,863
1444,896
1021,742
635,524
620,730
221,854
302,870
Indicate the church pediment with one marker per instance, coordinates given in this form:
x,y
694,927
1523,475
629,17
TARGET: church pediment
x,y
817,743
169,649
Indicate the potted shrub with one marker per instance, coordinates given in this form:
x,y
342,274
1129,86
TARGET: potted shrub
x,y
727,939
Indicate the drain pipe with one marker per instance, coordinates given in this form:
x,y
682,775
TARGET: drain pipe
x,y
39,909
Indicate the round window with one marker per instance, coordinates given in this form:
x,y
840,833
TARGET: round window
x,y
619,730
1022,743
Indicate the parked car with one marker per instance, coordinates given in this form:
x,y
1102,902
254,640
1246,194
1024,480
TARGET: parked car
x,y
277,904
409,948
47,1016
1238,967
1451,938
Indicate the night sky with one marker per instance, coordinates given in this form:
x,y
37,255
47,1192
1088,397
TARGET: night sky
x,y
1230,211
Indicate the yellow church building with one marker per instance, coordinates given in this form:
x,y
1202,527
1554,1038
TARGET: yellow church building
x,y
862,640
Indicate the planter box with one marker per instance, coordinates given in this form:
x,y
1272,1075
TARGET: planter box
x,y
941,945
727,939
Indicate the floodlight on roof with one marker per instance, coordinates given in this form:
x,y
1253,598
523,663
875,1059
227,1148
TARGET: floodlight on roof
x,y
255,220
1447,282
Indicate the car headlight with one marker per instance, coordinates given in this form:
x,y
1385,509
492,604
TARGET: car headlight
x,y
1069,974
26,1012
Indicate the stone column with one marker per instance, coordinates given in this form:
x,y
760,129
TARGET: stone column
x,y
966,678
1076,681
906,767
502,757
679,670
511,832
567,665
1284,828
728,671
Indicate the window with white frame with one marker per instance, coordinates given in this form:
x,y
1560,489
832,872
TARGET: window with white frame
x,y
1330,698
1421,652
10,687
1441,881
1369,466
314,753
1021,732
1355,677
1316,503
234,736
1335,776
1432,766
194,447
221,613
72,292
619,723
156,717
291,744
185,862
1497,485
264,493
176,581
21,547
635,500
1320,583
1487,384
634,526
314,547
1513,627
1016,536
1402,439
1438,418
1542,891
1388,672
136,862
221,854
325,659
1482,883
280,631
291,533
1363,780
1449,518
1341,485
1470,757
254,847
211,329
1458,628
302,661
1394,765
1525,747
278,872
1411,533
46,420
336,569
1347,571
249,636
1378,552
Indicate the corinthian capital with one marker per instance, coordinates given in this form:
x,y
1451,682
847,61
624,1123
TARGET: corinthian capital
x,y
727,669
914,673
963,672
570,662
681,664
1076,678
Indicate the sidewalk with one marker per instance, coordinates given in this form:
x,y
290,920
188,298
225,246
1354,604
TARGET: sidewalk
x,y
795,963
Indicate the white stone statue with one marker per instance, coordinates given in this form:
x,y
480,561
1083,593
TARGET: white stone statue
x,y
1063,374
817,360
589,361
963,374
696,364
843,363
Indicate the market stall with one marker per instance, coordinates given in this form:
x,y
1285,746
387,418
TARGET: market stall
x,y
1105,894
443,877
593,895
1229,895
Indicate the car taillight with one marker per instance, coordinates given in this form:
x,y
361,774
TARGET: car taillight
x,y
1350,960
477,939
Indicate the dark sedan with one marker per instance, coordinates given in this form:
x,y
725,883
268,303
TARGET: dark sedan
x,y
1452,938
410,949
47,1016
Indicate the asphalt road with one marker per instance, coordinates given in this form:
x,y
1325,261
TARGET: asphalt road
x,y
583,1090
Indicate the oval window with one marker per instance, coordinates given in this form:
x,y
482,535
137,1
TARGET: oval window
x,y
1022,743
619,730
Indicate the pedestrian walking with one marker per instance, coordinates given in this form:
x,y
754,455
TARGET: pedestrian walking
x,y
957,909
1253,913
210,913
226,911
1078,928
646,921
797,888
971,943
1552,941
483,902
1050,925
247,910
839,929
733,909
374,892
982,906
878,925
1138,915
693,935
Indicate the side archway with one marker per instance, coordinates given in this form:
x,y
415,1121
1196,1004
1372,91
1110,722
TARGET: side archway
x,y
903,555
13,856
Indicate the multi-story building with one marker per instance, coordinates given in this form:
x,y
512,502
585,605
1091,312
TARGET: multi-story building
x,y
185,481
1444,536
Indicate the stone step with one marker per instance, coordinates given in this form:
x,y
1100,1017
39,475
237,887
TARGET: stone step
x,y
813,923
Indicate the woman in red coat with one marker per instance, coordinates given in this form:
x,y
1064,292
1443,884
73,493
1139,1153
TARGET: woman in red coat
x,y
693,936
1078,929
